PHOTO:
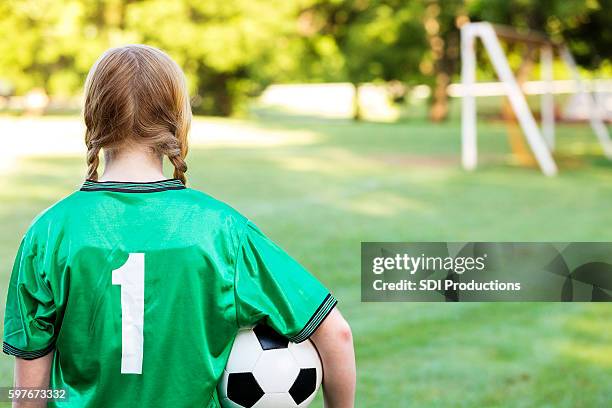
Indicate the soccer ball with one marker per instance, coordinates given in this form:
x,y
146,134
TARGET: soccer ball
x,y
265,370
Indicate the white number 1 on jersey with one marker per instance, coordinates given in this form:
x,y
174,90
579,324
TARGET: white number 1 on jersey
x,y
130,276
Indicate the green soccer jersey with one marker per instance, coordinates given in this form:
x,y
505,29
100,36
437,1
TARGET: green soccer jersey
x,y
139,290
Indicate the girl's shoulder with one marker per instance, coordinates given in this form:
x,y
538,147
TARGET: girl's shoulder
x,y
209,204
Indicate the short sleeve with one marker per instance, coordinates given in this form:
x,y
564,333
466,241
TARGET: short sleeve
x,y
269,285
29,318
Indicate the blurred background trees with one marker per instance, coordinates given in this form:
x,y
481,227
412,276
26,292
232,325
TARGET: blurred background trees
x,y
232,49
378,40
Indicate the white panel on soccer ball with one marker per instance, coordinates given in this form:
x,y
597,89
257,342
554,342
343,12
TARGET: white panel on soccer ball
x,y
245,352
275,400
222,386
276,370
305,354
227,403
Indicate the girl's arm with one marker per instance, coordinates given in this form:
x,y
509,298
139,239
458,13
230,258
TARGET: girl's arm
x,y
33,374
334,342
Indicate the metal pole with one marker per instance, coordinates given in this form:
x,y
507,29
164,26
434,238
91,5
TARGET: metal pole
x,y
600,129
469,150
517,100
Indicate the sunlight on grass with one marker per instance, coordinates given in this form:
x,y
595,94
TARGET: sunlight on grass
x,y
587,353
37,136
382,204
330,161
591,327
51,137
217,132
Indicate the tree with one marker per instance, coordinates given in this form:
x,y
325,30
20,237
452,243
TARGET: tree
x,y
376,40
441,21
230,49
48,44
225,47
222,45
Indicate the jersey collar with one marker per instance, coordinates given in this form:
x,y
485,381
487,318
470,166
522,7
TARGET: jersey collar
x,y
133,186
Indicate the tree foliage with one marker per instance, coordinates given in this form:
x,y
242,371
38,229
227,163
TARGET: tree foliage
x,y
231,49
225,47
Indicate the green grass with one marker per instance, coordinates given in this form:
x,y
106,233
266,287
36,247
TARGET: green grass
x,y
320,196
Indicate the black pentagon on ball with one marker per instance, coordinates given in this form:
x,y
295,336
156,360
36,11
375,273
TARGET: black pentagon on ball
x,y
269,339
243,389
305,384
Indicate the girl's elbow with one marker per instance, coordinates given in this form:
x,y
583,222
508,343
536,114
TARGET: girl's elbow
x,y
344,333
334,329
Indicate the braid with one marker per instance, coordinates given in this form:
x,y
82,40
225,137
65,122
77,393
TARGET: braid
x,y
180,167
93,159
176,152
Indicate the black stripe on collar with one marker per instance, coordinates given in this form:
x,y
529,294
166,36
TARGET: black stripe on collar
x,y
133,186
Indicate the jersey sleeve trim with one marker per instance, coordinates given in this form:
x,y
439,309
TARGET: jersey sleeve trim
x,y
26,355
317,318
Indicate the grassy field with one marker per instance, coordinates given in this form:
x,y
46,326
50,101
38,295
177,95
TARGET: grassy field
x,y
319,188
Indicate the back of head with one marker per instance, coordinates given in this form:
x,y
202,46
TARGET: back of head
x,y
136,94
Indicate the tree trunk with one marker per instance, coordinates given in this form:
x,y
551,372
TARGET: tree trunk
x,y
213,95
357,115
439,108
443,37
223,102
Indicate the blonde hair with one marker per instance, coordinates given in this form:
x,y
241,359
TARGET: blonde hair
x,y
136,94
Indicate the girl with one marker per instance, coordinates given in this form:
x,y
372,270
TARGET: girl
x,y
132,289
